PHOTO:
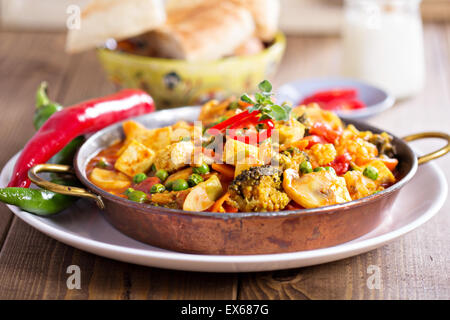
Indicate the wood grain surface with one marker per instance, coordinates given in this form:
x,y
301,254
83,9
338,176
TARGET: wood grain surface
x,y
33,266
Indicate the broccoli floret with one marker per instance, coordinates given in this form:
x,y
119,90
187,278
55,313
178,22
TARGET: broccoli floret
x,y
258,189
383,142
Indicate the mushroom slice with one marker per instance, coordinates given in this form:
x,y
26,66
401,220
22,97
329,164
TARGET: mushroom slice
x,y
315,189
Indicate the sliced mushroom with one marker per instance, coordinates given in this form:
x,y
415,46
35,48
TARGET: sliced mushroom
x,y
316,189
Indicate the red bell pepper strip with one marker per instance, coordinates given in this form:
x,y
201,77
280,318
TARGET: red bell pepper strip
x,y
69,123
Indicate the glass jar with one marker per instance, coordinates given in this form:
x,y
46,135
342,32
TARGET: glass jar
x,y
383,45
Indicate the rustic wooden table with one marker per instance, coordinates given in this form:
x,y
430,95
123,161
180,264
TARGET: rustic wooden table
x,y
33,266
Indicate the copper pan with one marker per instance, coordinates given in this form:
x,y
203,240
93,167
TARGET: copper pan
x,y
236,233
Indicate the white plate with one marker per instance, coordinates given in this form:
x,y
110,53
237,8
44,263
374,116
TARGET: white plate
x,y
84,227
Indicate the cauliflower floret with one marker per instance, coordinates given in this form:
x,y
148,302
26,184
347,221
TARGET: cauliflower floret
x,y
258,189
360,150
321,154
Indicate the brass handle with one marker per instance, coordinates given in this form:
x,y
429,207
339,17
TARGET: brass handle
x,y
435,154
57,188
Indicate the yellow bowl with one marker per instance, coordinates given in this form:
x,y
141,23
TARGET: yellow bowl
x,y
174,83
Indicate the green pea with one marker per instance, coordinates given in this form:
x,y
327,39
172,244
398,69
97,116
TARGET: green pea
x,y
194,179
371,172
157,188
162,174
168,185
139,178
202,169
137,196
179,185
306,167
319,169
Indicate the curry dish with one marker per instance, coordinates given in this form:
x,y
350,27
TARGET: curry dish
x,y
245,155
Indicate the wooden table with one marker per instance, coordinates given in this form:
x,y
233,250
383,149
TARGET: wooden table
x,y
33,266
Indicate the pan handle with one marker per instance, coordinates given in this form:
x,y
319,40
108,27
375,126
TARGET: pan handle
x,y
57,188
435,154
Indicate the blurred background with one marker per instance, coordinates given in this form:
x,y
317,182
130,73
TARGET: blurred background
x,y
297,16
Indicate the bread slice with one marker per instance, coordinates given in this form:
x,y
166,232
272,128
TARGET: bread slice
x,y
207,31
117,19
265,13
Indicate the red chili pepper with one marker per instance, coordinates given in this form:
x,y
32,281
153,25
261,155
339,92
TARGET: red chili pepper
x,y
341,163
326,96
325,131
71,122
344,105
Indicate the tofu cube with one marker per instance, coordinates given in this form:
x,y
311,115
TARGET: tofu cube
x,y
136,158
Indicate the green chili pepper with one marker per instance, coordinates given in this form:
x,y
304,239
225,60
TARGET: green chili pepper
x,y
44,110
66,155
44,107
39,201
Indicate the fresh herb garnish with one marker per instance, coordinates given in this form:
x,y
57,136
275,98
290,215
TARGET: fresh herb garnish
x,y
264,104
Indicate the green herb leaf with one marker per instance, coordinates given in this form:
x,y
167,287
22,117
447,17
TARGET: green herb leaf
x,y
278,113
265,86
247,99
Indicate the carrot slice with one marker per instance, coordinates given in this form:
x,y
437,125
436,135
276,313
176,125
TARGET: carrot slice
x,y
218,205
225,169
390,163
